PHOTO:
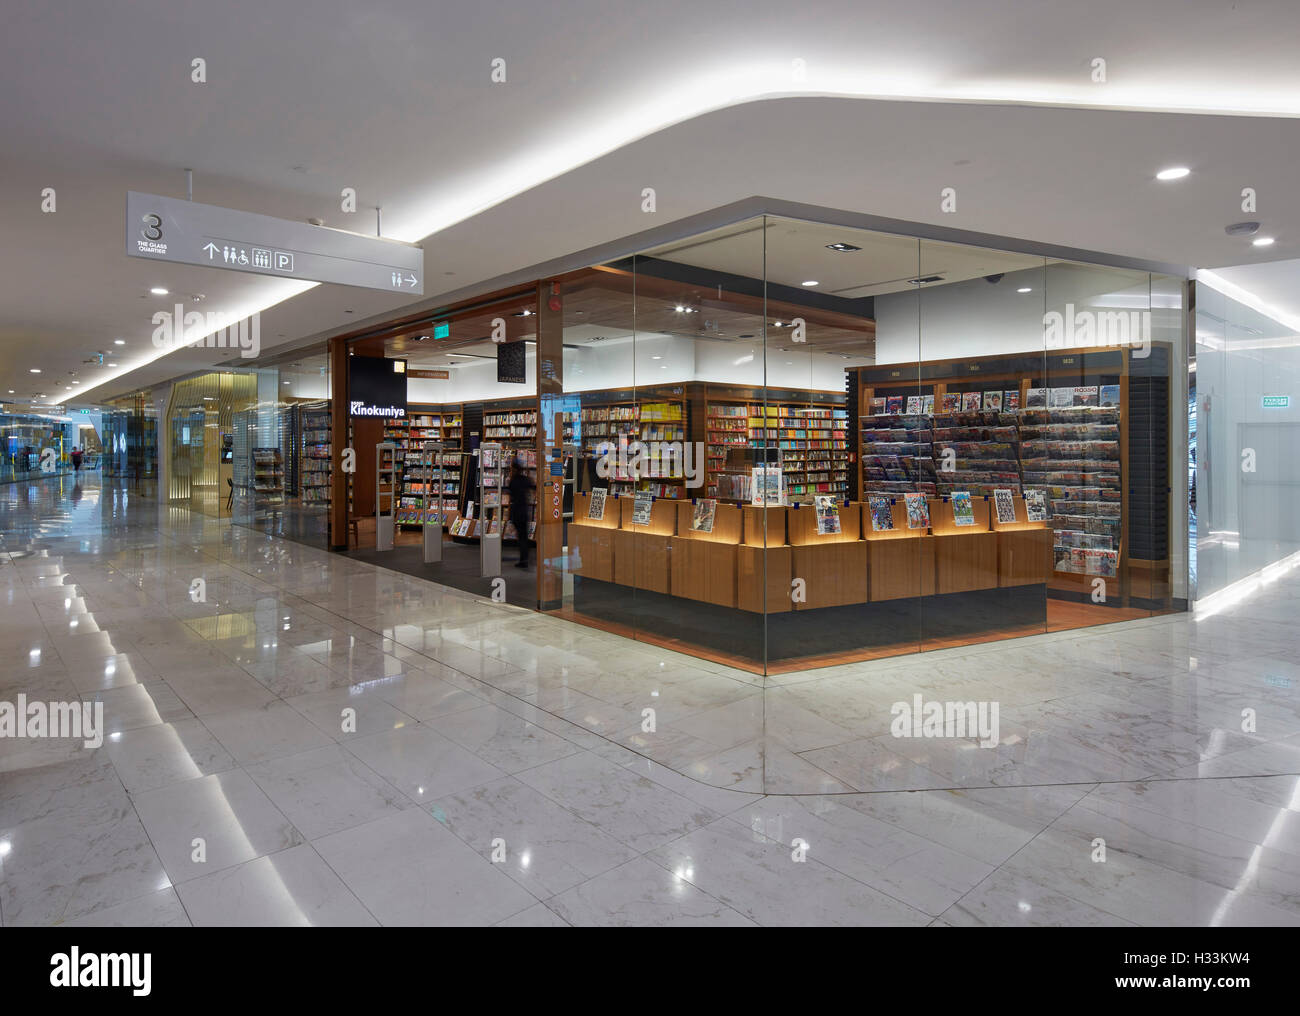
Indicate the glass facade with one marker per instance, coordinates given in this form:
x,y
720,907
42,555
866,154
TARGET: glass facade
x,y
958,444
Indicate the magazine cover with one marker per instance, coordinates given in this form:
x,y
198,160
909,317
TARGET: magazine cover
x,y
596,506
913,405
918,511
894,404
641,502
1061,397
1036,399
1103,562
962,512
993,402
1010,401
705,510
1109,395
970,402
1086,396
927,405
877,407
1035,506
952,402
1005,504
828,516
882,514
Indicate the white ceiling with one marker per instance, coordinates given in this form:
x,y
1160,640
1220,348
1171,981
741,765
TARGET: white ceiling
x,y
395,98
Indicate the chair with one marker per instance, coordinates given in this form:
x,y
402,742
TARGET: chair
x,y
354,531
230,498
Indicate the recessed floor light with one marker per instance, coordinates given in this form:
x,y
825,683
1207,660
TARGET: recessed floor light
x,y
1262,241
812,282
158,291
1173,173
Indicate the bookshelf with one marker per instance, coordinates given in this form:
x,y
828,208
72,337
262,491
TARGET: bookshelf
x,y
1053,426
314,462
811,437
658,419
268,479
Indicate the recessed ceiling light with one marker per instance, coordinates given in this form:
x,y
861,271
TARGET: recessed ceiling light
x,y
842,247
777,324
680,309
119,342
1263,241
112,365
1173,173
158,291
11,391
812,282
1024,289
656,357
36,370
76,382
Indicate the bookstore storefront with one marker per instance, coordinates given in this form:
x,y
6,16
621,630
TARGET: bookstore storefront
x,y
784,444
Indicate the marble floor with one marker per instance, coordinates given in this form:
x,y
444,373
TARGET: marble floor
x,y
314,740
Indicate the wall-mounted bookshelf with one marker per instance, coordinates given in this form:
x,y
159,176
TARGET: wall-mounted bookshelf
x,y
314,461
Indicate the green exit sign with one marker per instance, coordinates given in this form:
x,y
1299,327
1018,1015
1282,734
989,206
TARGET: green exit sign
x,y
1276,401
441,331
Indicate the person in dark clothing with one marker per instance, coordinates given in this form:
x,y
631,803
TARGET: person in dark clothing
x,y
519,485
76,459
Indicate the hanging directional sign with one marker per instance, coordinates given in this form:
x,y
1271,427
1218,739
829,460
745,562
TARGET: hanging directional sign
x,y
184,232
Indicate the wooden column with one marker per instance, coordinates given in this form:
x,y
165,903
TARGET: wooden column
x,y
338,538
550,391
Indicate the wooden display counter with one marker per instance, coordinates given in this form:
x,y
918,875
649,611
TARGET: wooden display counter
x,y
730,589
832,565
764,563
591,541
703,565
900,560
965,557
641,551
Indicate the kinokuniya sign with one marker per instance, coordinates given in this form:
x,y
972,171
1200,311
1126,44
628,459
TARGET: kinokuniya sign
x,y
376,387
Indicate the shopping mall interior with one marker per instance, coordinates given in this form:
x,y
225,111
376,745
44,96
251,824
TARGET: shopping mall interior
x,y
501,495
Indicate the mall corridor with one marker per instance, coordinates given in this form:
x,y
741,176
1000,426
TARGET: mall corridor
x,y
294,737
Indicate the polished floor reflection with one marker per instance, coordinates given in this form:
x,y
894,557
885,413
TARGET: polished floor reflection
x,y
299,738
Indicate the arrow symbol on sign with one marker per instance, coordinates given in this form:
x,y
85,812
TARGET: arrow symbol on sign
x,y
411,279
211,248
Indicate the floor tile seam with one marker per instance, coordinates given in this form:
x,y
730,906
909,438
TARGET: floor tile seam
x,y
1029,842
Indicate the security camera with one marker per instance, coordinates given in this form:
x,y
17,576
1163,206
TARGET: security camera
x,y
993,280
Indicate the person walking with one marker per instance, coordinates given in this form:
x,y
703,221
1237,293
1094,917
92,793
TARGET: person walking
x,y
76,459
519,486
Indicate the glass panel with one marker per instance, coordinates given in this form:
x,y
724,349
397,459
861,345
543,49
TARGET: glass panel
x,y
1247,429
981,337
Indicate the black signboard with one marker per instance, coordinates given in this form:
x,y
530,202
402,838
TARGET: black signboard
x,y
376,387
511,363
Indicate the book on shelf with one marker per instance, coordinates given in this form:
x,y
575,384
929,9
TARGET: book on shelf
x,y
596,504
642,501
1005,505
918,511
702,518
828,516
882,515
963,514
